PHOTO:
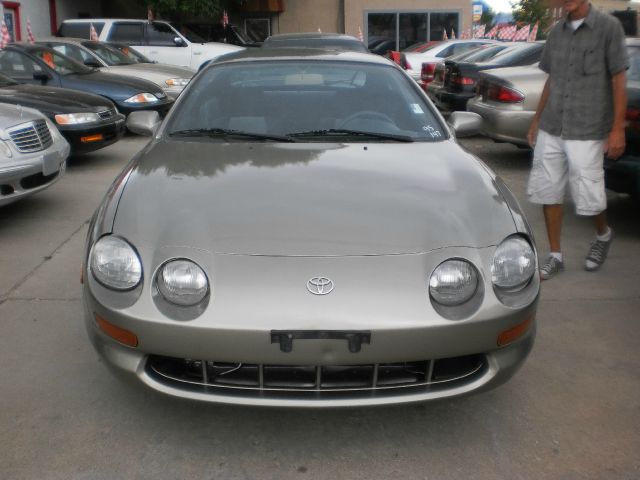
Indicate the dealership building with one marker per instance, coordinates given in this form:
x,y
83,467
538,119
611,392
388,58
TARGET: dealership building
x,y
401,22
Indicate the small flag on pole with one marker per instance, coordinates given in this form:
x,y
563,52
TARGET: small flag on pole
x,y
30,37
5,38
93,35
149,15
444,35
534,33
225,18
453,34
360,36
507,32
319,30
479,31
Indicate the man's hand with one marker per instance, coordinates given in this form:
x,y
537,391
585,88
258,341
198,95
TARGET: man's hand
x,y
532,134
614,146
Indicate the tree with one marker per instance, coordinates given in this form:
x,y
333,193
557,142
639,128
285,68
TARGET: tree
x,y
488,16
532,11
180,9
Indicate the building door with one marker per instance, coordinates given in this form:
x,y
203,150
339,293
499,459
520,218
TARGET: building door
x,y
11,17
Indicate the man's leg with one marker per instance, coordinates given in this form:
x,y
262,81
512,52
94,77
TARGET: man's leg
x,y
553,222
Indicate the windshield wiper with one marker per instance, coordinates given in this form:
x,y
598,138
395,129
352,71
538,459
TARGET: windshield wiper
x,y
225,132
342,132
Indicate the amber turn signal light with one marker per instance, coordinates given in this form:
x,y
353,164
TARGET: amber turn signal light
x,y
92,138
514,333
120,334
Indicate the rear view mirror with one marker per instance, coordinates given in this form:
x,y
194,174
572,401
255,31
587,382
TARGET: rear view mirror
x,y
90,62
42,77
143,123
179,42
465,124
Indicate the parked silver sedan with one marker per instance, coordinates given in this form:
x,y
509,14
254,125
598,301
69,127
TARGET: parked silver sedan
x,y
507,99
33,153
303,230
171,78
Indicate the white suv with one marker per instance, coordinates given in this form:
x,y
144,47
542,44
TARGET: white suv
x,y
157,40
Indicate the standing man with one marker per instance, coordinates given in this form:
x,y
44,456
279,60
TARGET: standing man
x,y
580,117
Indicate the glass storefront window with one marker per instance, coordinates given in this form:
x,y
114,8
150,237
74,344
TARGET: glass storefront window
x,y
399,30
414,28
441,21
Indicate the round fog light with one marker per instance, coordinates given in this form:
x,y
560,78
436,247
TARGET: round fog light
x,y
182,282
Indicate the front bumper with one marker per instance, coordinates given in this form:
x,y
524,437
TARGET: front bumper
x,y
30,173
232,333
503,124
88,138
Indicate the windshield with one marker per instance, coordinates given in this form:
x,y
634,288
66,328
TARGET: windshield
x,y
6,81
190,35
111,56
309,99
131,53
60,63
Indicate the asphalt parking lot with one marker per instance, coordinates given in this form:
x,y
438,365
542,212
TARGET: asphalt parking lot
x,y
572,411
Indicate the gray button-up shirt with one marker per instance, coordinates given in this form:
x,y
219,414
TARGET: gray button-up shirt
x,y
580,64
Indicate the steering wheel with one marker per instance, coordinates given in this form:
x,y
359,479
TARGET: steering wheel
x,y
364,116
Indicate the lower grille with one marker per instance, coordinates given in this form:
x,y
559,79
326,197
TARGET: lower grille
x,y
250,379
31,137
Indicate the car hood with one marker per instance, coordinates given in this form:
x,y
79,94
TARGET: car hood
x,y
110,85
12,115
52,100
154,72
311,199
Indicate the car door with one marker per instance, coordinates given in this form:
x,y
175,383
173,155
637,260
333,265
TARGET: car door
x,y
165,45
25,69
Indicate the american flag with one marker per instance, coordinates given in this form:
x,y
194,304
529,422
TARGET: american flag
x,y
360,36
225,18
466,34
534,33
5,38
507,32
453,34
149,15
522,34
478,32
93,35
444,35
493,32
30,37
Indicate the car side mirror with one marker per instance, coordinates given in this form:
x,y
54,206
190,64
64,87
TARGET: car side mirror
x,y
179,42
143,123
43,77
465,124
90,62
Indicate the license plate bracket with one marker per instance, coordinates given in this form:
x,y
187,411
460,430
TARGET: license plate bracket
x,y
354,338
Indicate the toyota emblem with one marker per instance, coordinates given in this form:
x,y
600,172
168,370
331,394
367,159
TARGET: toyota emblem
x,y
320,285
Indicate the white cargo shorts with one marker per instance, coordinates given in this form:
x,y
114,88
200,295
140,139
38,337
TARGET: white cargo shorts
x,y
557,161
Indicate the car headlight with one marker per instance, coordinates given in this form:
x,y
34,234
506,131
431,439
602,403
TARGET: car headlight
x,y
5,149
142,98
182,282
115,264
177,82
453,282
76,118
514,263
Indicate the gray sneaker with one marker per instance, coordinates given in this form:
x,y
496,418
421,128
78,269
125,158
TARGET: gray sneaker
x,y
552,267
597,254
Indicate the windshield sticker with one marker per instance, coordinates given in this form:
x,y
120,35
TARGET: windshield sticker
x,y
432,131
417,109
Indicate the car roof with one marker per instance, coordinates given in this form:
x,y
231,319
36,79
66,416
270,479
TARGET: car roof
x,y
310,35
302,53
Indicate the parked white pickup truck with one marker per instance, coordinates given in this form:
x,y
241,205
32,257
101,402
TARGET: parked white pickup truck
x,y
157,40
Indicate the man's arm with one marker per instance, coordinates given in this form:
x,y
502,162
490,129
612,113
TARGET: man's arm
x,y
615,141
532,135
